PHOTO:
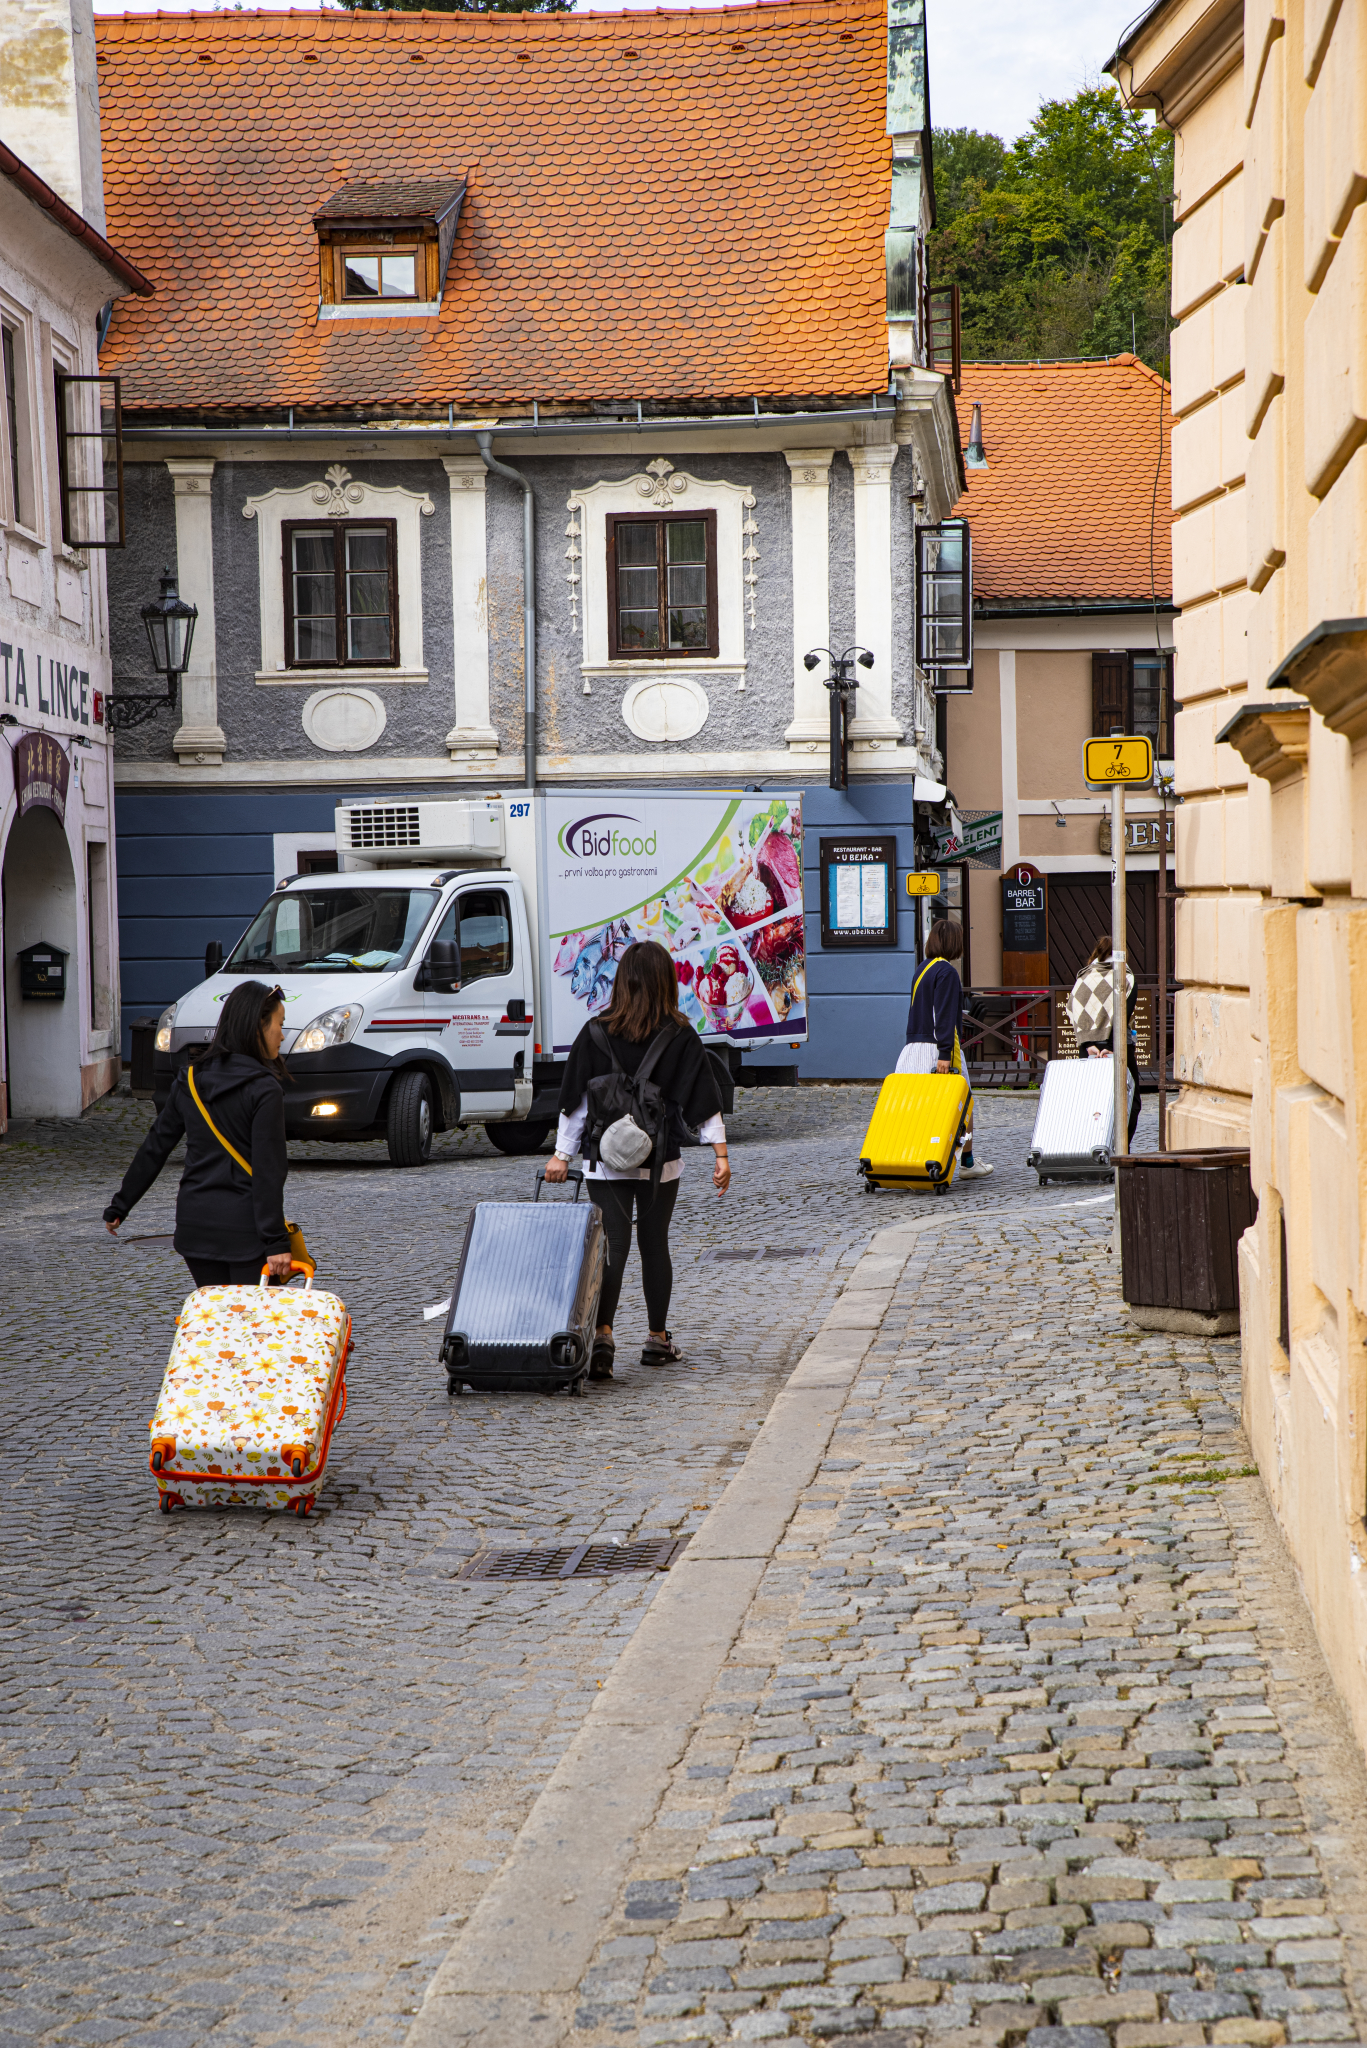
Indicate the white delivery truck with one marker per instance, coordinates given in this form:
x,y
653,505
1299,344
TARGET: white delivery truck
x,y
442,974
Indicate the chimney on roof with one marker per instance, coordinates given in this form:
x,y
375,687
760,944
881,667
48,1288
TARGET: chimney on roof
x,y
975,455
49,98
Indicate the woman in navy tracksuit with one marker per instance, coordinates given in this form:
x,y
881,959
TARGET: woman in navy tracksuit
x,y
933,1019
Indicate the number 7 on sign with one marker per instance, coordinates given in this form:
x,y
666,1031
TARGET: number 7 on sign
x,y
1108,761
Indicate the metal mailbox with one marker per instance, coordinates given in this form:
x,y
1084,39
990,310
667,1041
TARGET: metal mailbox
x,y
42,973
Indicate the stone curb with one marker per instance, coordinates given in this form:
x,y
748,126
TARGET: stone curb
x,y
511,1976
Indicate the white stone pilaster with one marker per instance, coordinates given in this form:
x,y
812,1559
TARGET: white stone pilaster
x,y
811,487
873,719
200,741
472,736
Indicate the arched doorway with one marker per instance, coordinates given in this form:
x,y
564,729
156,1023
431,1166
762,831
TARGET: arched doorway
x,y
42,1038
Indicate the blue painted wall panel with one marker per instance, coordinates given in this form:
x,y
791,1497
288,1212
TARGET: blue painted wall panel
x,y
197,866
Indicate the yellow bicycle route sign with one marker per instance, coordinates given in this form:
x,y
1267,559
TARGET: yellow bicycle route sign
x,y
927,883
1106,762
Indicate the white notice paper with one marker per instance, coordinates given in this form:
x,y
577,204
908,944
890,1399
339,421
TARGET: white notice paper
x,y
847,898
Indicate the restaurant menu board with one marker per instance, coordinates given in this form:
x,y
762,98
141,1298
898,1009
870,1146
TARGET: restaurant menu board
x,y
1024,922
858,892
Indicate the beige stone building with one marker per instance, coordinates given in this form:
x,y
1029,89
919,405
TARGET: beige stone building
x,y
1269,103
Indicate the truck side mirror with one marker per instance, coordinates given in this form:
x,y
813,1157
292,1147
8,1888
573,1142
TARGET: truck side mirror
x,y
443,967
517,1010
213,958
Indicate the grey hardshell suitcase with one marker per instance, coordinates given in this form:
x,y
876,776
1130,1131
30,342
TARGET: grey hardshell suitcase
x,y
525,1302
1075,1123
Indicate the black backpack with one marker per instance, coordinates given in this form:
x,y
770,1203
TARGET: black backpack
x,y
619,1096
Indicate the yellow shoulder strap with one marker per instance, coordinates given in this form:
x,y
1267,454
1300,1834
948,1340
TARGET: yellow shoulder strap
x,y
914,986
190,1078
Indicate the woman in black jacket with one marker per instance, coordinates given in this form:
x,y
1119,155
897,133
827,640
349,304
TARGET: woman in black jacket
x,y
230,1222
645,999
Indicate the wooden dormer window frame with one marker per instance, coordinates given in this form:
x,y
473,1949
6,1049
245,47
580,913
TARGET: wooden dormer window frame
x,y
392,219
336,252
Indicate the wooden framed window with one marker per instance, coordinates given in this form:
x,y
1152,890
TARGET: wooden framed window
x,y
341,593
662,585
90,459
372,270
1132,693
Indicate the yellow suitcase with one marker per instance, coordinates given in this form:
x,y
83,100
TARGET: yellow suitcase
x,y
913,1135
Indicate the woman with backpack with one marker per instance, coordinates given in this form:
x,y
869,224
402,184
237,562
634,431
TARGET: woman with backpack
x,y
635,1076
932,1047
229,1107
1091,1007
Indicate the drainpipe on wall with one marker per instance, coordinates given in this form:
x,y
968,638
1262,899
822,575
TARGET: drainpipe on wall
x,y
515,476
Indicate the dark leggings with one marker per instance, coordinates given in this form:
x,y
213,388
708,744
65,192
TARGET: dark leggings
x,y
225,1272
1132,1062
614,1199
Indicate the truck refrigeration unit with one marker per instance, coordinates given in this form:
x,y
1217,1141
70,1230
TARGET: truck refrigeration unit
x,y
442,974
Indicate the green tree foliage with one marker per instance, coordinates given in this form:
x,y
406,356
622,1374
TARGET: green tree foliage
x,y
1059,242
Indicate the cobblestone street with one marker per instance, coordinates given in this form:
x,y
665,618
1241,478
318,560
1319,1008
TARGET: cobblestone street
x,y
256,1772
1027,1737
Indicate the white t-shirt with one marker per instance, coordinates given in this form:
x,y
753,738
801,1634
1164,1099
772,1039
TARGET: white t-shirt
x,y
571,1132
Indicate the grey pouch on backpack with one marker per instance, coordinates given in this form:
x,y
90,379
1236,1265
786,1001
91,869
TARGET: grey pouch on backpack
x,y
628,1120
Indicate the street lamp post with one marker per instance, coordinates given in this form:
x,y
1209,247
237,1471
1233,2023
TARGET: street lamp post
x,y
170,627
842,684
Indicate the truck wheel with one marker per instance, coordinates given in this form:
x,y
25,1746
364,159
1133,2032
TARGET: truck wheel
x,y
408,1123
515,1141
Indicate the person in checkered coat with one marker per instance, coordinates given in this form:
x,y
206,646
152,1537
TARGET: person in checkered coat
x,y
1091,1009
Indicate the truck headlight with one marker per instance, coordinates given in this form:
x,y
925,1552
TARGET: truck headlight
x,y
334,1027
162,1041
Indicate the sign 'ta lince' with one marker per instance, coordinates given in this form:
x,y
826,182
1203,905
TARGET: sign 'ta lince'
x,y
41,679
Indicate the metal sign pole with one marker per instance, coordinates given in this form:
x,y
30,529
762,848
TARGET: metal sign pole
x,y
1119,1022
1161,1032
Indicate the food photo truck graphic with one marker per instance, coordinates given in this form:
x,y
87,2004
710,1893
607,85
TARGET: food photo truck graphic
x,y
720,889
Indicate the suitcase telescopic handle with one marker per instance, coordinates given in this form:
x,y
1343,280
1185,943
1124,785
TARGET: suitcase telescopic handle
x,y
573,1173
295,1267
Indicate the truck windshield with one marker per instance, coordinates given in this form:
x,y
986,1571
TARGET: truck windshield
x,y
334,931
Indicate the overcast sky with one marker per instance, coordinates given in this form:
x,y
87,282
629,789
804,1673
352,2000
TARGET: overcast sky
x,y
991,61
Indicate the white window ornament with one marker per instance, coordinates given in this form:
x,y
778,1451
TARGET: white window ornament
x,y
662,487
664,708
339,495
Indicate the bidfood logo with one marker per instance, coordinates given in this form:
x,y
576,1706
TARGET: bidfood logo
x,y
607,835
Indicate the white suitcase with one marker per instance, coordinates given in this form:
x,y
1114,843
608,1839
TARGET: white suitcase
x,y
1076,1120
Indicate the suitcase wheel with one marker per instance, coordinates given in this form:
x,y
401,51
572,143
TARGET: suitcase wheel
x,y
164,1503
576,1388
301,1507
453,1385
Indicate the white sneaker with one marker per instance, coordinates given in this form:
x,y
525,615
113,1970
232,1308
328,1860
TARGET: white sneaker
x,y
977,1171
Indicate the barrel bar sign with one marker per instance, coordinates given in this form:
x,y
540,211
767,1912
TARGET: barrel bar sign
x,y
42,773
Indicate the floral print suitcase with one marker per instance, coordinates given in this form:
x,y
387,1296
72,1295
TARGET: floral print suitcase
x,y
255,1386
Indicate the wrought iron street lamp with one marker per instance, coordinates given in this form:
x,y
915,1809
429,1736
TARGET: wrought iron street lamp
x,y
170,624
842,684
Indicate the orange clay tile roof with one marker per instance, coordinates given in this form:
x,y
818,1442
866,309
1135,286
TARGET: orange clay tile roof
x,y
1061,514
661,206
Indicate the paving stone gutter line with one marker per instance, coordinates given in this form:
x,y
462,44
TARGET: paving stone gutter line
x,y
510,1979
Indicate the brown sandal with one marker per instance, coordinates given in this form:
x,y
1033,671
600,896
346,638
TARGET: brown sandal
x,y
601,1357
655,1353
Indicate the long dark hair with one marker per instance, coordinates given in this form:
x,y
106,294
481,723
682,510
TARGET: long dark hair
x,y
240,1023
645,994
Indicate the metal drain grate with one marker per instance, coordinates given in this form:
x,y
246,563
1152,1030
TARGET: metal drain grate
x,y
583,1561
769,1251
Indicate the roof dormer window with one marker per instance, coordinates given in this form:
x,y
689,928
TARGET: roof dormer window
x,y
383,248
379,273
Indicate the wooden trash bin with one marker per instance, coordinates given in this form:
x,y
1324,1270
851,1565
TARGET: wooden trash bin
x,y
1181,1217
